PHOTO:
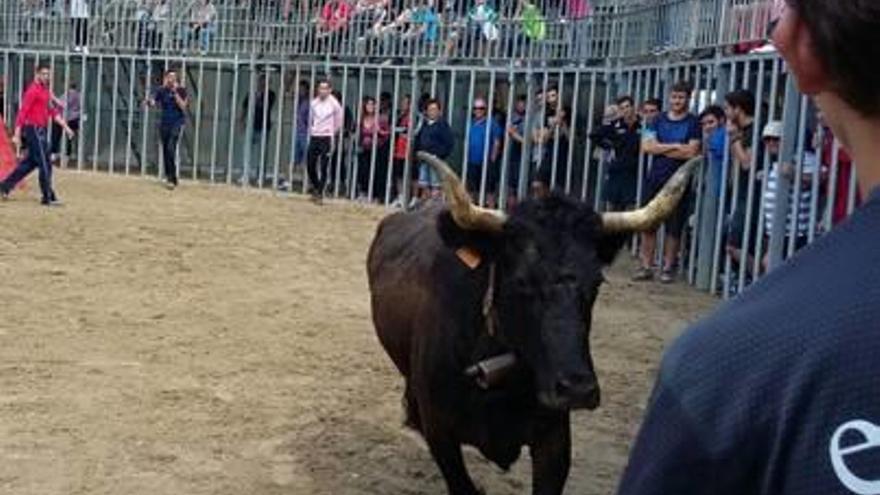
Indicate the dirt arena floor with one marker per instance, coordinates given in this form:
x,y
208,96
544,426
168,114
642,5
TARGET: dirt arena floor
x,y
218,341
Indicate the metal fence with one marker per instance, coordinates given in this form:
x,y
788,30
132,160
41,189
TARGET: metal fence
x,y
787,201
541,32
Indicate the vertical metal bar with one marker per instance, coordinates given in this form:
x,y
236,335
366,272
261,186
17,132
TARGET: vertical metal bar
x,y
467,132
197,139
132,103
218,88
97,136
314,87
573,119
590,113
392,124
279,135
374,150
487,141
230,153
341,154
853,190
113,115
795,196
505,154
600,170
144,112
264,136
354,180
761,234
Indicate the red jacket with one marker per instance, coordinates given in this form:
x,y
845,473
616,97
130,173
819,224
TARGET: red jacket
x,y
36,108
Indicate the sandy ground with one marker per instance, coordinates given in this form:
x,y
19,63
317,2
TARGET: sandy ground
x,y
218,341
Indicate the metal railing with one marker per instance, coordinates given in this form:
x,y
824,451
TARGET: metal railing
x,y
745,218
539,33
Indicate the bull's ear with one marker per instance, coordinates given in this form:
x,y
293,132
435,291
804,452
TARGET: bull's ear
x,y
609,245
456,237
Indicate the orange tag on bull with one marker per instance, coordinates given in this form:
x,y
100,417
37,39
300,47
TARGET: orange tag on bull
x,y
470,257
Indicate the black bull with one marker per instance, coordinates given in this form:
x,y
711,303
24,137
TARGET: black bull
x,y
446,297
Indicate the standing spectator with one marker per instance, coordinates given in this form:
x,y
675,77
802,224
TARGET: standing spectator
x,y
740,109
435,137
623,136
326,119
255,156
334,18
161,14
31,126
485,21
777,392
553,165
201,25
829,147
672,139
772,137
484,149
373,134
171,98
71,105
651,109
713,121
79,19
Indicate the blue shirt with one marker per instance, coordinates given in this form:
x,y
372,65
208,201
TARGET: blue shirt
x,y
668,131
172,115
715,145
478,149
431,20
778,393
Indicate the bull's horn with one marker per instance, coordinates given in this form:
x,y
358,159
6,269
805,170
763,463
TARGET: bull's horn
x,y
464,212
652,214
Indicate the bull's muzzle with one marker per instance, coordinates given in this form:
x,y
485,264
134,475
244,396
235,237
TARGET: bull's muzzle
x,y
572,392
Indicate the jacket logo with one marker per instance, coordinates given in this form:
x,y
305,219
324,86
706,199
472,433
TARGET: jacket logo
x,y
870,434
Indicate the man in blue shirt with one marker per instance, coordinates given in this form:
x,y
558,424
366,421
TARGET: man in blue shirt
x,y
483,151
171,98
778,392
672,139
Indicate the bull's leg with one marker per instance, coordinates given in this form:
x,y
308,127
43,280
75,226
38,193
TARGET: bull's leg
x,y
447,455
551,455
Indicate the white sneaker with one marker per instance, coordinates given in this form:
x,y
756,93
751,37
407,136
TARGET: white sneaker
x,y
85,50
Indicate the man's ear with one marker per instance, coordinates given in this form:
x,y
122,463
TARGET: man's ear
x,y
609,245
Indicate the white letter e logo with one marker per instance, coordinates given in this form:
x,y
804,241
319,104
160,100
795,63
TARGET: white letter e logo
x,y
871,434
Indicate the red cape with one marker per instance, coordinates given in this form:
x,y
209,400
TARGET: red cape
x,y
7,155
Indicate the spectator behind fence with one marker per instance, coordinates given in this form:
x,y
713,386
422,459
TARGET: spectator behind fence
x,y
484,149
435,137
673,138
650,110
202,25
713,121
622,136
301,128
71,106
171,98
326,118
777,392
551,173
79,20
261,128
829,148
772,138
740,109
334,17
374,134
31,128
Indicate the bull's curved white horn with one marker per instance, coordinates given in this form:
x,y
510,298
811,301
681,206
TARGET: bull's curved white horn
x,y
661,207
466,214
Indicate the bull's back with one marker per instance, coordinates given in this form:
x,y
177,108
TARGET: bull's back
x,y
399,272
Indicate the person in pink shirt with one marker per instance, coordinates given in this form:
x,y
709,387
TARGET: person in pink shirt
x,y
325,121
334,17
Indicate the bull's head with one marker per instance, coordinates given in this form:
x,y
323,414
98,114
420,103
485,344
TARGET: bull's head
x,y
548,257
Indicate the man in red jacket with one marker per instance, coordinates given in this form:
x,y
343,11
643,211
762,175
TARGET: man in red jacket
x,y
32,126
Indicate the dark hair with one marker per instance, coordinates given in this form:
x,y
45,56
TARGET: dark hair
x,y
654,102
714,111
682,87
846,38
433,101
625,99
522,98
325,81
43,66
368,99
742,99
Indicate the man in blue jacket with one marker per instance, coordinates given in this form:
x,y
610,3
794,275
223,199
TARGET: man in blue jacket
x,y
435,137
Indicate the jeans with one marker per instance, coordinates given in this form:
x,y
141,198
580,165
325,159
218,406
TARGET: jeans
x,y
204,33
255,159
319,154
169,135
35,138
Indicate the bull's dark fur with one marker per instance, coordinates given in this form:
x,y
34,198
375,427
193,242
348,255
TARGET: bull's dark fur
x,y
427,312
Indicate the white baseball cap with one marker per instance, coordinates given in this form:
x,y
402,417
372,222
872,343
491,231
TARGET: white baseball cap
x,y
773,129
